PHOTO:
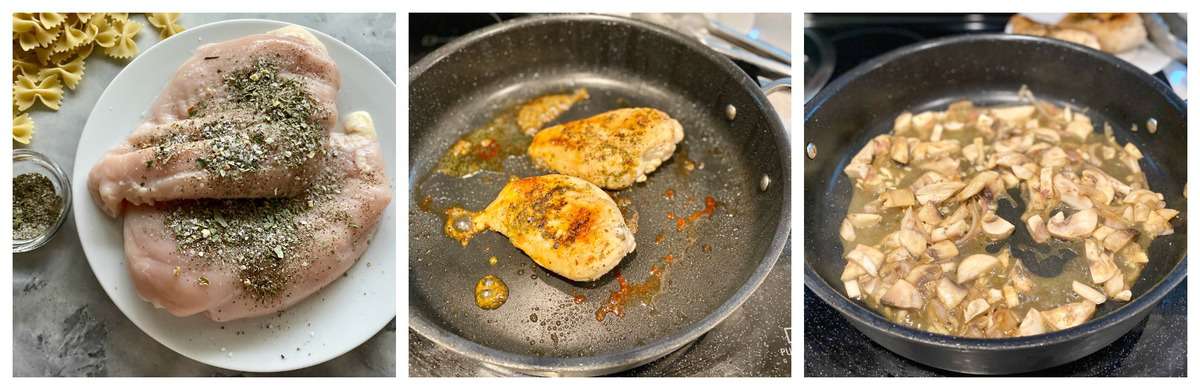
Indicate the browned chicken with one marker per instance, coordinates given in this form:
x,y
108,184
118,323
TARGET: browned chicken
x,y
563,223
543,109
612,150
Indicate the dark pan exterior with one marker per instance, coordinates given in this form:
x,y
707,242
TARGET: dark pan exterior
x,y
622,62
990,68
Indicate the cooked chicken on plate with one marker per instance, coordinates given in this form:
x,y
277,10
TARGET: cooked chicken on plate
x,y
612,150
237,258
1110,32
565,224
242,118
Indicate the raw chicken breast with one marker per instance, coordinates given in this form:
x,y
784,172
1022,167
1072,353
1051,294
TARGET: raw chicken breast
x,y
241,258
240,119
612,150
565,224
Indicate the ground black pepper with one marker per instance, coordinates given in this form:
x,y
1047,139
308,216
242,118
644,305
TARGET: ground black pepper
x,y
36,205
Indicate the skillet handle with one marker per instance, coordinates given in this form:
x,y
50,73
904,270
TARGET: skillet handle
x,y
783,106
769,87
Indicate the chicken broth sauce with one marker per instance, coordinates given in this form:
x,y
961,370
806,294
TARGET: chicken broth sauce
x,y
927,244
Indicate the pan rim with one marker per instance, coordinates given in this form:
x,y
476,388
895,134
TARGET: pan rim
x,y
861,315
610,362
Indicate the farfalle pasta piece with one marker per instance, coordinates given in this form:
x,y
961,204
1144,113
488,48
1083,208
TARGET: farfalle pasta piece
x,y
71,38
106,33
37,37
28,89
23,64
166,23
50,20
81,17
23,22
71,72
22,130
118,17
125,45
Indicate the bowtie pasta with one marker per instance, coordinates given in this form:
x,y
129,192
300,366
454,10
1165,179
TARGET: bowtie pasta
x,y
50,51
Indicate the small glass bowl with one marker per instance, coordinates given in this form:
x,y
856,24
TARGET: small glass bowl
x,y
26,161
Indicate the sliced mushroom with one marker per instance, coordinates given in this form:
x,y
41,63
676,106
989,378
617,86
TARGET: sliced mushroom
x,y
1100,263
1026,171
1118,238
1069,315
1115,285
1133,151
897,198
1070,194
860,164
1011,299
899,150
852,271
903,295
852,289
866,257
1102,189
974,308
1020,278
912,241
977,183
996,228
938,192
864,220
1087,292
847,231
1080,225
923,273
949,293
1079,129
975,265
1014,114
943,250
923,121
1037,229
1032,325
903,123
929,215
1134,254
1054,157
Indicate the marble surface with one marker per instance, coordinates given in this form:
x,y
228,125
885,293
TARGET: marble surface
x,y
63,322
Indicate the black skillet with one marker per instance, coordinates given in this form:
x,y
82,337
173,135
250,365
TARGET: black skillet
x,y
990,69
743,163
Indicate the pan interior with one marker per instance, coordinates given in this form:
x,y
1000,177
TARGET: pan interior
x,y
836,188
541,317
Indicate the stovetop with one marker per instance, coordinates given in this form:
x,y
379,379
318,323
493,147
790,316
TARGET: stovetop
x,y
832,347
754,341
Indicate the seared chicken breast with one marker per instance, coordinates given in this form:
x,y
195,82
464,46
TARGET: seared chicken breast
x,y
612,150
565,224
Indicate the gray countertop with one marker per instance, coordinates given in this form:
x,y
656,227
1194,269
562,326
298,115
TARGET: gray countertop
x,y
63,322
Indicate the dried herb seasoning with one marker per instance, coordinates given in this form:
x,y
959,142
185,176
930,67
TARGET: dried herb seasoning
x,y
261,239
36,205
263,119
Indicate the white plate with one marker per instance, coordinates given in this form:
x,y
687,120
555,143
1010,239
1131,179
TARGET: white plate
x,y
329,323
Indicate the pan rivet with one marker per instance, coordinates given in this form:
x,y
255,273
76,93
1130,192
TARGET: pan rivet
x,y
1152,125
764,183
730,112
811,150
